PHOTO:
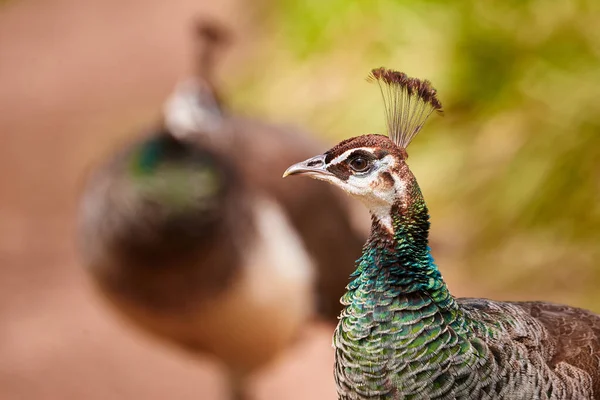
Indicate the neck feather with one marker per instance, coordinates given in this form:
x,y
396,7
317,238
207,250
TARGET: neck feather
x,y
153,152
399,260
399,314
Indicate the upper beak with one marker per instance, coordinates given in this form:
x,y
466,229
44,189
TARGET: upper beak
x,y
312,166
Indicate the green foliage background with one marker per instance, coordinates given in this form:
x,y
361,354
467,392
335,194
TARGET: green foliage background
x,y
511,173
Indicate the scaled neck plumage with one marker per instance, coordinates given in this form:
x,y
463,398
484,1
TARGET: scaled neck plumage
x,y
398,257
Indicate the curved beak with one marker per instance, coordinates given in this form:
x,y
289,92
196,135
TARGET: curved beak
x,y
314,166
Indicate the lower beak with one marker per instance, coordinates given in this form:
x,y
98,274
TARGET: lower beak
x,y
312,166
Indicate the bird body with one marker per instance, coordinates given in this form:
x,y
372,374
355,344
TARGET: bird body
x,y
190,234
402,335
182,244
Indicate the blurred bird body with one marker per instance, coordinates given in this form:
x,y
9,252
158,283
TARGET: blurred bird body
x,y
191,234
402,335
204,268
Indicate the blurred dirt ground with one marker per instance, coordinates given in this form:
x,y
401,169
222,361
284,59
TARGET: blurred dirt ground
x,y
75,77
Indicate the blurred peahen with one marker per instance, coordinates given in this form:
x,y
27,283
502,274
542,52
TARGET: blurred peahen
x,y
402,335
190,232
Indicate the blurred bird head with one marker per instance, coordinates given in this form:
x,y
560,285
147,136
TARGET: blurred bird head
x,y
162,205
195,106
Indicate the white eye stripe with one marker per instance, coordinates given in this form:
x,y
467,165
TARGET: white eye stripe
x,y
345,154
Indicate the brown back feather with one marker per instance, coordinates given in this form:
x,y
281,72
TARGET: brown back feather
x,y
575,334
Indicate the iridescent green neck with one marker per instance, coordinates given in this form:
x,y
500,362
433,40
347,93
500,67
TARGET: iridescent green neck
x,y
400,263
402,331
147,157
174,174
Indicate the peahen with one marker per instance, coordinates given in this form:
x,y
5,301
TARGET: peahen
x,y
190,233
402,335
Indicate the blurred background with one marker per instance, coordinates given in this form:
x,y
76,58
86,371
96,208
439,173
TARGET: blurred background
x,y
511,173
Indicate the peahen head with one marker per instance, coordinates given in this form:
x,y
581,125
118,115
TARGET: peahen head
x,y
373,167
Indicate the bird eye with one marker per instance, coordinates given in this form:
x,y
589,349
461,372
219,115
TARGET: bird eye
x,y
359,164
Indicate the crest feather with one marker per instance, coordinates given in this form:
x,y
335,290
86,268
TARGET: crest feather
x,y
408,103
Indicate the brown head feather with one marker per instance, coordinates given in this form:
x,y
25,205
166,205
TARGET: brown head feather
x,y
371,140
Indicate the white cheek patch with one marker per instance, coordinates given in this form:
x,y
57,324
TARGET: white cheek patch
x,y
372,189
382,207
358,186
376,193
